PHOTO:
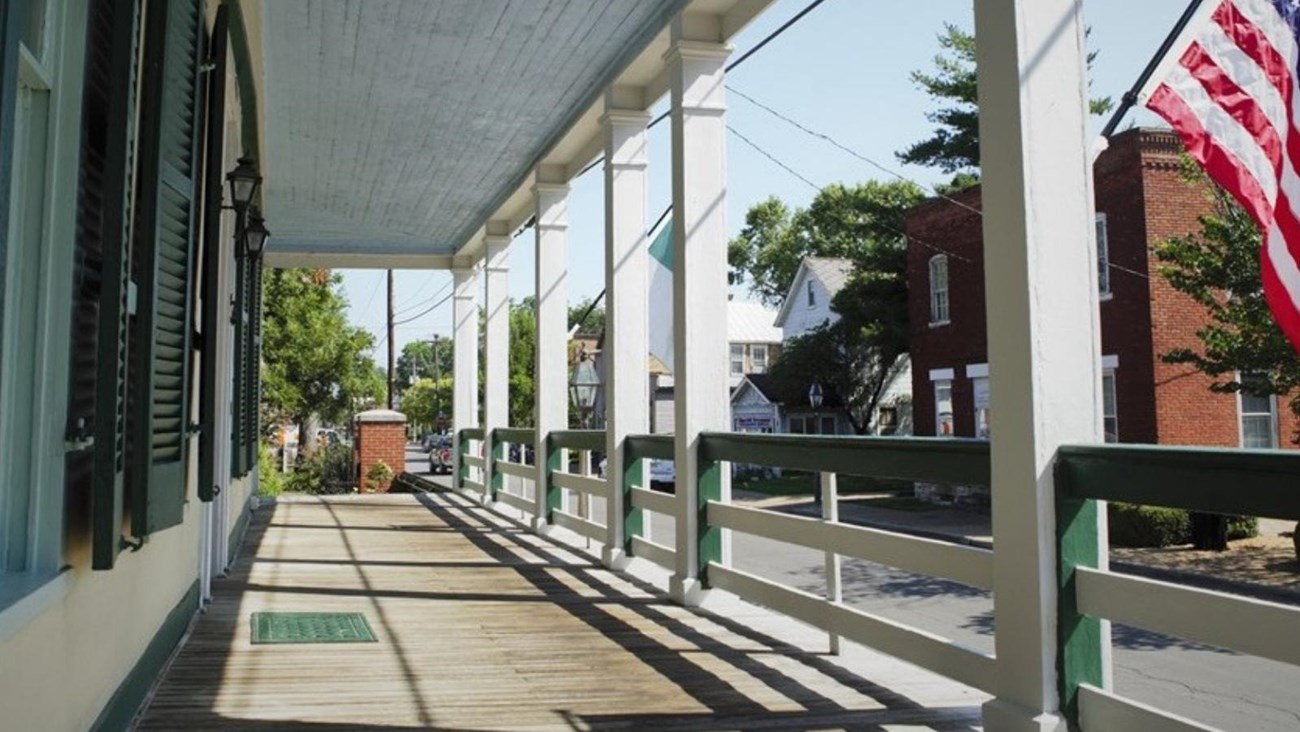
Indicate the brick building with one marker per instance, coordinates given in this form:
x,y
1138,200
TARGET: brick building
x,y
1141,200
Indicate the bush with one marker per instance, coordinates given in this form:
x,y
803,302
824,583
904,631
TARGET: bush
x,y
327,472
270,482
378,476
1154,526
1148,526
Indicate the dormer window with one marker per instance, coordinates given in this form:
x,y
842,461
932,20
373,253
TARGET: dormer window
x,y
812,296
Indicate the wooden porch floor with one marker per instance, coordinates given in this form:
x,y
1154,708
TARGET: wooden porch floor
x,y
484,625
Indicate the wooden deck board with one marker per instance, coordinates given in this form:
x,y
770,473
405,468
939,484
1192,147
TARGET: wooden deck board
x,y
482,625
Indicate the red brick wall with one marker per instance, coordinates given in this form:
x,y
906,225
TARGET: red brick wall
x,y
1139,188
380,441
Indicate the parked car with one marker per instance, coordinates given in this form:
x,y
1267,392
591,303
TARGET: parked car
x,y
440,457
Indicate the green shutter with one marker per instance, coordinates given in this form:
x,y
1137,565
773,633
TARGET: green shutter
x,y
213,249
169,127
239,400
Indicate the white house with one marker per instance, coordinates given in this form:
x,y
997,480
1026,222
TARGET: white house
x,y
807,306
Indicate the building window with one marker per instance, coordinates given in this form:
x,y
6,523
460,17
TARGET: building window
x,y
758,358
943,408
796,426
887,421
737,359
828,426
1258,415
938,289
980,393
1109,414
812,296
1103,257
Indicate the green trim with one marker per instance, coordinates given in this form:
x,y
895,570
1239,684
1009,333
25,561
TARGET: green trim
x,y
910,458
653,447
1241,482
496,451
1079,637
633,517
709,488
514,435
125,702
471,433
554,464
578,439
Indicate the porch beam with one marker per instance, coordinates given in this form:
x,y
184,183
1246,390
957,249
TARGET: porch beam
x,y
464,408
551,377
627,395
1041,279
696,61
496,349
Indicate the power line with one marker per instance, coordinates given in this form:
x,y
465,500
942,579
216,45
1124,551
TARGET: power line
x,y
408,308
423,313
729,68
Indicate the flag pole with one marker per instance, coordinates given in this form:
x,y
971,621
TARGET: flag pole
x,y
1130,97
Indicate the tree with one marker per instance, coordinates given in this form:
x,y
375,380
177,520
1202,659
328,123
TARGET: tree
x,y
523,360
595,320
314,362
842,221
417,360
954,146
1240,347
426,400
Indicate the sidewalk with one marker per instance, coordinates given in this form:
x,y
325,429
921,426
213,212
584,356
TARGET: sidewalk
x,y
1263,568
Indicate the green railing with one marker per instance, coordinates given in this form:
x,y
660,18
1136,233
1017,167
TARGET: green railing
x,y
578,440
648,447
1237,482
465,459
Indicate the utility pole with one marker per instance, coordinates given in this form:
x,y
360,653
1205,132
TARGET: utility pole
x,y
392,345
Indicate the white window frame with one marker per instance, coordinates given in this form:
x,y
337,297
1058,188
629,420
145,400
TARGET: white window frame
x,y
32,523
758,365
1108,373
733,362
1242,415
938,413
812,294
975,409
1103,257
940,297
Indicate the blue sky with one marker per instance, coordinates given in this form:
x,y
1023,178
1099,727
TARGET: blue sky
x,y
842,70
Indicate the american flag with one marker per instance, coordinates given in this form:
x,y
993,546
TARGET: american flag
x,y
1231,90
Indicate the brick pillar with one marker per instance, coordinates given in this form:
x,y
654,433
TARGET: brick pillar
x,y
381,435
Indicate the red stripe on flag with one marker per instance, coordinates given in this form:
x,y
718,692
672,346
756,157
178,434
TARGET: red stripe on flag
x,y
1235,101
1223,167
1285,310
1252,42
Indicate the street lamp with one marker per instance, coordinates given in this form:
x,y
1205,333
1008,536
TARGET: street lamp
x,y
583,386
243,181
815,400
255,235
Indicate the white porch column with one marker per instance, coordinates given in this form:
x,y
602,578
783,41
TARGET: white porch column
x,y
464,408
696,60
626,340
551,377
496,350
1041,279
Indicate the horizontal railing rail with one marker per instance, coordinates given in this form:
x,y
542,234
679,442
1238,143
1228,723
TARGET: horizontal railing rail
x,y
578,439
515,435
471,433
648,447
1241,482
934,460
1235,482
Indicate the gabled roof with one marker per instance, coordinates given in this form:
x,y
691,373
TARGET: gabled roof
x,y
751,322
832,272
761,383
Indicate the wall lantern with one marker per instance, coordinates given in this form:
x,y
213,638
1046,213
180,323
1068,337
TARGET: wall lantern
x,y
255,236
815,395
583,386
243,181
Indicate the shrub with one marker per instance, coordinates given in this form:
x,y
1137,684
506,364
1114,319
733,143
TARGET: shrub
x,y
1242,527
378,476
1148,526
329,471
270,482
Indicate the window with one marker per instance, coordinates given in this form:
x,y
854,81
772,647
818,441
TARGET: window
x,y
1258,415
1109,417
980,394
737,359
938,289
1103,257
943,408
758,358
828,426
812,296
887,421
796,426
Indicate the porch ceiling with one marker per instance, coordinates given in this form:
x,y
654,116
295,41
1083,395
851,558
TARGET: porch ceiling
x,y
394,129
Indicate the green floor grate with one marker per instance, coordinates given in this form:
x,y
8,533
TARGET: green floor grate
x,y
311,628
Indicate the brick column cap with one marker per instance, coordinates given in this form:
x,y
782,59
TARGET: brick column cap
x,y
381,416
